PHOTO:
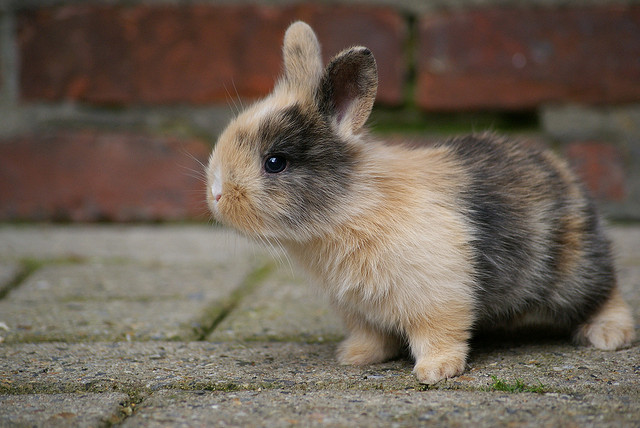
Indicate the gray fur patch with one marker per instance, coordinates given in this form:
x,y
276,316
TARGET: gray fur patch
x,y
319,167
516,204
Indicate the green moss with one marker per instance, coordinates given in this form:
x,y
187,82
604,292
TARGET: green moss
x,y
229,386
518,386
424,387
309,339
222,386
414,122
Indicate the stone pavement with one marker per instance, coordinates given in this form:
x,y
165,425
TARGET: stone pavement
x,y
189,325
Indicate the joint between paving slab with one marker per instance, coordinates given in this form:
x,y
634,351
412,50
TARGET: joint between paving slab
x,y
27,268
127,409
223,309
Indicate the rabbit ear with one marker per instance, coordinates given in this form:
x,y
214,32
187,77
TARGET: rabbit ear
x,y
348,88
302,59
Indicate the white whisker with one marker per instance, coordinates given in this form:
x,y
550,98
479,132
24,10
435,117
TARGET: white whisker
x,y
236,110
237,94
284,253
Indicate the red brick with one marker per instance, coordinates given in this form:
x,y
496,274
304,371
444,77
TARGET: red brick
x,y
88,176
600,166
520,57
187,54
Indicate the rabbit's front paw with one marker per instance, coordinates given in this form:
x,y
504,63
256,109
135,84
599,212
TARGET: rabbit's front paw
x,y
433,370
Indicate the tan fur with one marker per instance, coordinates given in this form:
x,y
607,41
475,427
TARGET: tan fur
x,y
238,185
440,347
302,60
239,170
366,344
571,238
400,268
610,328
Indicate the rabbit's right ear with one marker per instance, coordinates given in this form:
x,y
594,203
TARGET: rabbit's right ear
x,y
348,89
302,58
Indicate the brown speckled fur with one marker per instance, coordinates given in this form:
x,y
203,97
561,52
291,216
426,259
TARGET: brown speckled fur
x,y
414,247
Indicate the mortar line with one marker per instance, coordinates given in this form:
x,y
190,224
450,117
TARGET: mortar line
x,y
10,61
25,271
410,58
250,282
133,403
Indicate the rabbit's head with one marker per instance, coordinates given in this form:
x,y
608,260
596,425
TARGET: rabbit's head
x,y
285,167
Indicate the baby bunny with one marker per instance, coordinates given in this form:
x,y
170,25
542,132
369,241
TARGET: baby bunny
x,y
415,247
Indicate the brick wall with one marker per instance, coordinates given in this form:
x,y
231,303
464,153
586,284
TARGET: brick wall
x,y
107,109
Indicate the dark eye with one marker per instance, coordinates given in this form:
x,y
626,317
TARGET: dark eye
x,y
275,164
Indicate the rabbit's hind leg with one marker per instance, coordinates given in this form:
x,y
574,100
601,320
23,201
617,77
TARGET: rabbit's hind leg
x,y
611,327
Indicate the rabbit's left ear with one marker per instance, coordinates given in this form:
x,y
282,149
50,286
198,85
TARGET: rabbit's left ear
x,y
302,58
348,89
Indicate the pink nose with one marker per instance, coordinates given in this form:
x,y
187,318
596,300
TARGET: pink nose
x,y
217,197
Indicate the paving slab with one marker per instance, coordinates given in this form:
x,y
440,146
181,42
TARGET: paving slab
x,y
94,301
91,321
626,241
96,305
626,245
100,281
286,307
63,410
189,244
629,282
381,409
149,366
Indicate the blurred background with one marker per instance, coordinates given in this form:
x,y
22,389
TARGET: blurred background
x,y
108,108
